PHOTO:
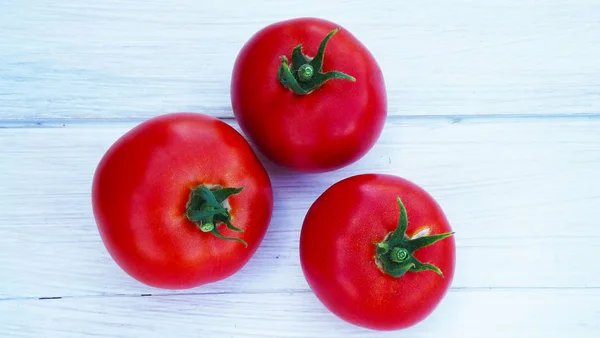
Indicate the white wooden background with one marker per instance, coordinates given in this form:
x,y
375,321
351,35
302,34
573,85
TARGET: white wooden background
x,y
494,107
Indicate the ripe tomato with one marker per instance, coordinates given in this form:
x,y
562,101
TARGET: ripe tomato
x,y
172,196
321,112
367,251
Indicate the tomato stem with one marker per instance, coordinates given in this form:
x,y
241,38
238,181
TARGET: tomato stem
x,y
305,72
304,75
399,255
207,227
205,209
395,254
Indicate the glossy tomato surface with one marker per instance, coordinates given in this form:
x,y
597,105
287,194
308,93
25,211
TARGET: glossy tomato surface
x,y
338,246
143,183
329,128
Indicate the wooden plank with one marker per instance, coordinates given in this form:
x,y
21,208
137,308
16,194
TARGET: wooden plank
x,y
124,58
462,314
522,196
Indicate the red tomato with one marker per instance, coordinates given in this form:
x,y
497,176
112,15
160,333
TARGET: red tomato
x,y
337,110
152,201
358,262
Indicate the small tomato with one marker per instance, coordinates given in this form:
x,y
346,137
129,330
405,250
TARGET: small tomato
x,y
309,95
181,200
377,251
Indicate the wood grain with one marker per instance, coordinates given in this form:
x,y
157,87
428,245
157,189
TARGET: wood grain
x,y
521,195
494,108
462,314
130,58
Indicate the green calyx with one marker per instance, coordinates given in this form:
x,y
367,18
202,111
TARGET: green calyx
x,y
205,208
305,74
395,254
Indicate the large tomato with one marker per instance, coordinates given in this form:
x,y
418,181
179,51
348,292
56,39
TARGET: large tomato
x,y
181,200
304,108
369,250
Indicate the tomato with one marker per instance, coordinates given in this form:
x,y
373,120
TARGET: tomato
x,y
181,200
377,251
304,108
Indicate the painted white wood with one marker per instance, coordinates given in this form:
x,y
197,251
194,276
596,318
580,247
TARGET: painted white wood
x,y
131,58
522,196
522,193
462,314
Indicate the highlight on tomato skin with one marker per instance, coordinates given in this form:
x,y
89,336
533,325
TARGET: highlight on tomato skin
x,y
309,95
181,200
378,251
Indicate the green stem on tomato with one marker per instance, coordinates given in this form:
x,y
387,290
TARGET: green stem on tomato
x,y
395,254
399,255
304,75
207,227
205,209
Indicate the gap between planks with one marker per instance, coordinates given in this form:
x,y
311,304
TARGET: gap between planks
x,y
304,291
457,118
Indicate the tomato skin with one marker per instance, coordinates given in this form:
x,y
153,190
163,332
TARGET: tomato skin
x,y
337,250
331,127
141,187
